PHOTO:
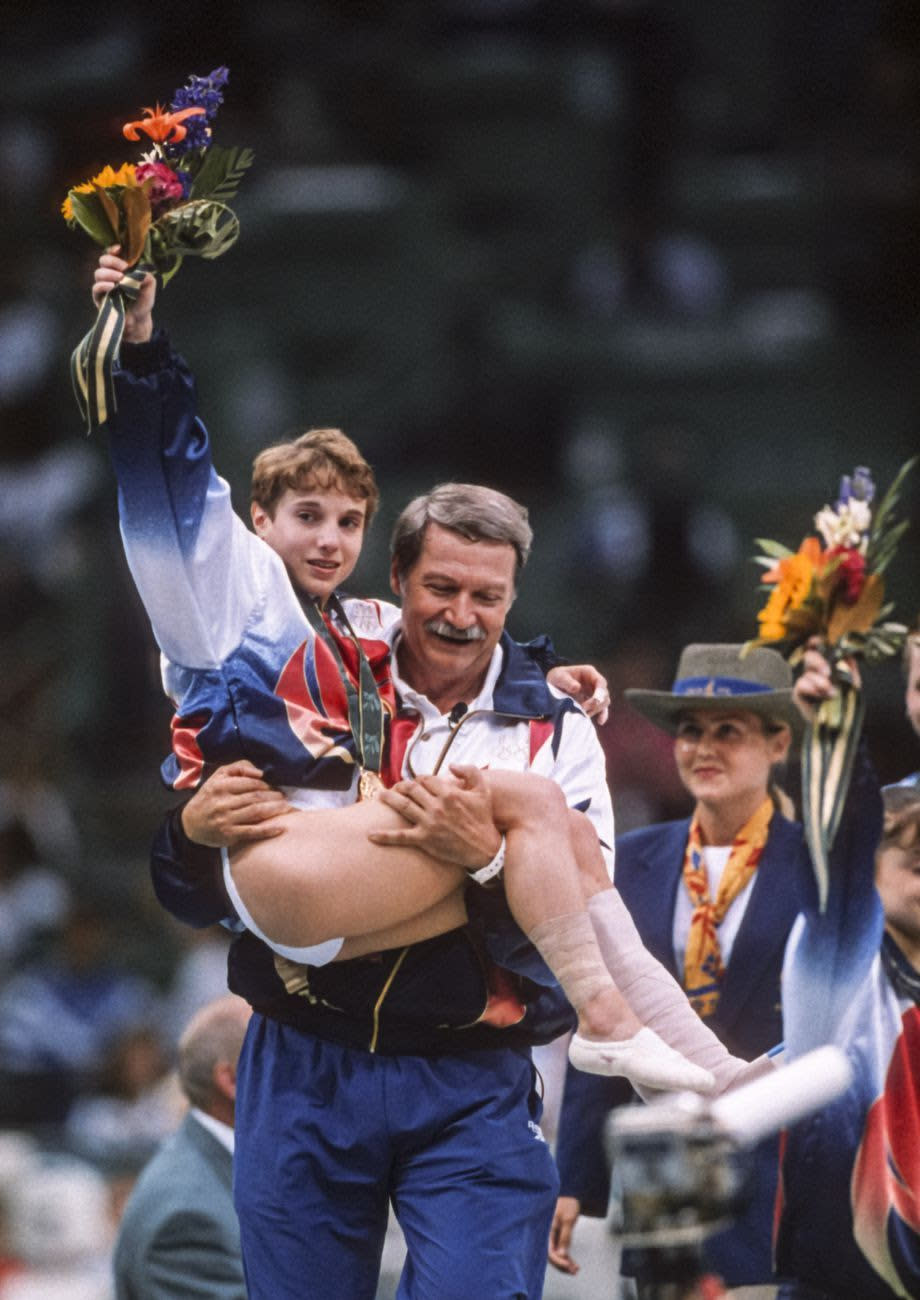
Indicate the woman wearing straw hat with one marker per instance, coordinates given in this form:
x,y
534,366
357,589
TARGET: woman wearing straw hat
x,y
714,897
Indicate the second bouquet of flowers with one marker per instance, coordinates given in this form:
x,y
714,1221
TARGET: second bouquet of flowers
x,y
832,591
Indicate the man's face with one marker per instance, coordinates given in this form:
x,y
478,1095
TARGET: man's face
x,y
912,694
318,533
455,599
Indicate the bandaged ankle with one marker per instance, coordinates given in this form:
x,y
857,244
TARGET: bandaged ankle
x,y
568,945
653,993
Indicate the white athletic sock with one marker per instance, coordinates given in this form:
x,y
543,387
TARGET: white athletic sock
x,y
656,997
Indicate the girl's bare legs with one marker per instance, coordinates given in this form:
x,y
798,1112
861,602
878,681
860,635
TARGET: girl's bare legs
x,y
323,877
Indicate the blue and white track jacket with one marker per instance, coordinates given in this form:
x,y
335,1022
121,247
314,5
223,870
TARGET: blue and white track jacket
x,y
241,663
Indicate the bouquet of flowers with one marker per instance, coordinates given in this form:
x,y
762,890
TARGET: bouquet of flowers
x,y
833,589
170,205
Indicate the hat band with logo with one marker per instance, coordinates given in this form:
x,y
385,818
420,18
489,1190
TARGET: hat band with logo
x,y
719,686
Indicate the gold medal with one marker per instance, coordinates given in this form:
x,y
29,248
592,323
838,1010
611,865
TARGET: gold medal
x,y
369,785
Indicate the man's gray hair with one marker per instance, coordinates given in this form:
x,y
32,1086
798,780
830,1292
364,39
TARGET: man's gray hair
x,y
214,1034
481,514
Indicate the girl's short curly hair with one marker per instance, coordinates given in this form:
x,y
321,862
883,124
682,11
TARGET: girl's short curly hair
x,y
322,458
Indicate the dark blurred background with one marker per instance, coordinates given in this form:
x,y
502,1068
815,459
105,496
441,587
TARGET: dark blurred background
x,y
651,266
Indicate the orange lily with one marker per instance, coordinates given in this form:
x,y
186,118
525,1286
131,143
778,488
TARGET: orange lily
x,y
160,125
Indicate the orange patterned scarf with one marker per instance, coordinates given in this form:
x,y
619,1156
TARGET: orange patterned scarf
x,y
703,969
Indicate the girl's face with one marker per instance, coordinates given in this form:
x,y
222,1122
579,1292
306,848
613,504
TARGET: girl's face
x,y
317,533
725,757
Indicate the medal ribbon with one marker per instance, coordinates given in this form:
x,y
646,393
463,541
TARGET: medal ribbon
x,y
96,355
365,709
703,969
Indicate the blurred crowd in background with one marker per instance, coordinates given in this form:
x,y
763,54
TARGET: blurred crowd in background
x,y
651,266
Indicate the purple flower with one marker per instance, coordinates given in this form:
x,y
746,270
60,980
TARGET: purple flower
x,y
863,487
201,92
859,487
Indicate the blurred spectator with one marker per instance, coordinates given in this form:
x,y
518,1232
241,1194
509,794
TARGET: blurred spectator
x,y
59,1016
38,500
199,975
60,1231
46,816
118,1123
647,544
18,1154
641,771
33,897
179,1234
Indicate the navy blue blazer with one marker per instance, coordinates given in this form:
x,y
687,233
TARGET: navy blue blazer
x,y
649,867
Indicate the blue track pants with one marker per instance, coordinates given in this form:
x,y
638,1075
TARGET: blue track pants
x,y
327,1136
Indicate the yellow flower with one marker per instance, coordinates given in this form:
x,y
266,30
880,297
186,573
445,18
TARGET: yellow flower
x,y
125,176
794,576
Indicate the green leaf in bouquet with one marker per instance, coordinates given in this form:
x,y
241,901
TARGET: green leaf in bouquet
x,y
220,173
171,265
92,216
882,523
884,553
199,228
774,549
157,252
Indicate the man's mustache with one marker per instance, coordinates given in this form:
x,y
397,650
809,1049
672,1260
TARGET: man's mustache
x,y
440,628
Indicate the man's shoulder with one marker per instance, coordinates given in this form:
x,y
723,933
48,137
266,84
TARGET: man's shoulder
x,y
186,1166
178,1217
521,687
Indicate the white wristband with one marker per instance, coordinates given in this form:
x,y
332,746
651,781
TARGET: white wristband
x,y
492,868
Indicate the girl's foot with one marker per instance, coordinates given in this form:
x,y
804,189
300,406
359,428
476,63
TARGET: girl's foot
x,y
644,1059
